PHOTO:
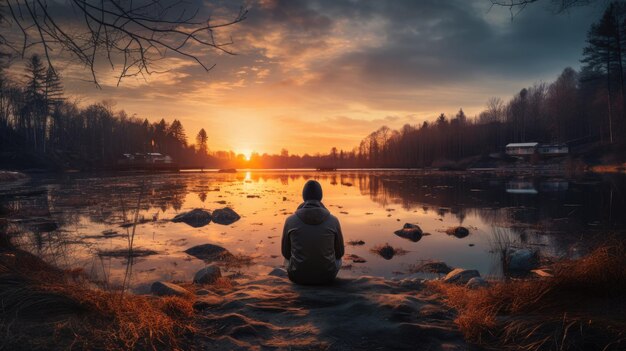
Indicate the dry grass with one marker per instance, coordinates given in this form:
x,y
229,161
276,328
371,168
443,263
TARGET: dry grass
x,y
46,308
583,307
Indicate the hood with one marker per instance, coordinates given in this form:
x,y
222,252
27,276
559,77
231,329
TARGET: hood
x,y
312,212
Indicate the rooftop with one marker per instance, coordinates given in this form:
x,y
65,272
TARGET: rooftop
x,y
522,145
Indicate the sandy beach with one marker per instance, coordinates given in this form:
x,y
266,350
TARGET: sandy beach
x,y
366,313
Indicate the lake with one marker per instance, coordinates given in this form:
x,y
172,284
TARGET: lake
x,y
73,220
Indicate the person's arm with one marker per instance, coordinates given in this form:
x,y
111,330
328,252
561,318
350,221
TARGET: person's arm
x,y
286,243
339,248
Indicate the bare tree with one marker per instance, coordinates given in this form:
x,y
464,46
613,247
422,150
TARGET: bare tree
x,y
129,35
515,6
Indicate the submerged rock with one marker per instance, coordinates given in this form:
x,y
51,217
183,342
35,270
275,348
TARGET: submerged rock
x,y
126,253
410,231
195,218
278,272
208,252
208,275
434,267
460,276
476,282
225,216
168,289
387,251
354,258
522,260
459,232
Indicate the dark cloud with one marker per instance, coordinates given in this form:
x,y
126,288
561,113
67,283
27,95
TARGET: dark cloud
x,y
343,63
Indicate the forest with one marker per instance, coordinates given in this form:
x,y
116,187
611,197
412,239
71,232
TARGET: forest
x,y
40,127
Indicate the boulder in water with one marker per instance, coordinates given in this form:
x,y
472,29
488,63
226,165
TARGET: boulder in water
x,y
196,218
208,252
459,232
460,276
410,231
278,272
208,275
225,216
168,289
387,251
522,260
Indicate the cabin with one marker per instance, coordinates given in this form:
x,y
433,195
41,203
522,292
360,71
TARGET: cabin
x,y
521,186
553,149
529,149
155,157
521,149
147,161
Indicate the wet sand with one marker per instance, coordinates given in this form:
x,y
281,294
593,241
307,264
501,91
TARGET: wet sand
x,y
366,313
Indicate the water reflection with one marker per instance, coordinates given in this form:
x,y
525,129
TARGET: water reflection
x,y
92,214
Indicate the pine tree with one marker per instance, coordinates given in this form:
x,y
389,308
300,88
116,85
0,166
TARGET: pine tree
x,y
53,89
177,132
602,54
201,142
36,107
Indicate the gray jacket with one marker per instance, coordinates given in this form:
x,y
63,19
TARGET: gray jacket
x,y
312,241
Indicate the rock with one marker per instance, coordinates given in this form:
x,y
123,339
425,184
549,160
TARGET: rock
x,y
195,218
209,252
410,231
225,216
208,274
460,276
476,282
522,260
459,232
278,272
168,289
354,258
386,251
434,267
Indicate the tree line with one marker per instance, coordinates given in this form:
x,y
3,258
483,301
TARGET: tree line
x,y
39,125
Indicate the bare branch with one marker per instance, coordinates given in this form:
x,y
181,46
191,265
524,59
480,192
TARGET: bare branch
x,y
130,34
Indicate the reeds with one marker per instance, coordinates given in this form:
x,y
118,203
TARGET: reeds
x,y
583,307
43,308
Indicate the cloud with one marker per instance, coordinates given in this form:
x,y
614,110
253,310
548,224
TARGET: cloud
x,y
331,70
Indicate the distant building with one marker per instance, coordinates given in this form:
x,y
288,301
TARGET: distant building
x,y
529,149
521,186
521,149
151,160
553,149
155,157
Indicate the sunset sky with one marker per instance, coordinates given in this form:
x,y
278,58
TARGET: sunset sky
x,y
309,75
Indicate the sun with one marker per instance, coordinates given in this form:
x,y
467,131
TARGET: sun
x,y
247,153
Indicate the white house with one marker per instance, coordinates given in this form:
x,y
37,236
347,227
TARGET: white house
x,y
553,149
521,149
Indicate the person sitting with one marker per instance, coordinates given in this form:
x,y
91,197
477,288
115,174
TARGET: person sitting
x,y
312,242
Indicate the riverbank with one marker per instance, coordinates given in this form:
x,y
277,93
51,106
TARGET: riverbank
x,y
581,306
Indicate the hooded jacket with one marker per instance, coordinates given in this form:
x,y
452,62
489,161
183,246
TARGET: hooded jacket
x,y
312,241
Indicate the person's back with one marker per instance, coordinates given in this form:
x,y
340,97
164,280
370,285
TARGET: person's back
x,y
312,240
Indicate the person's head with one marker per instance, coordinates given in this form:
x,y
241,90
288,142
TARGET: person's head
x,y
312,191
